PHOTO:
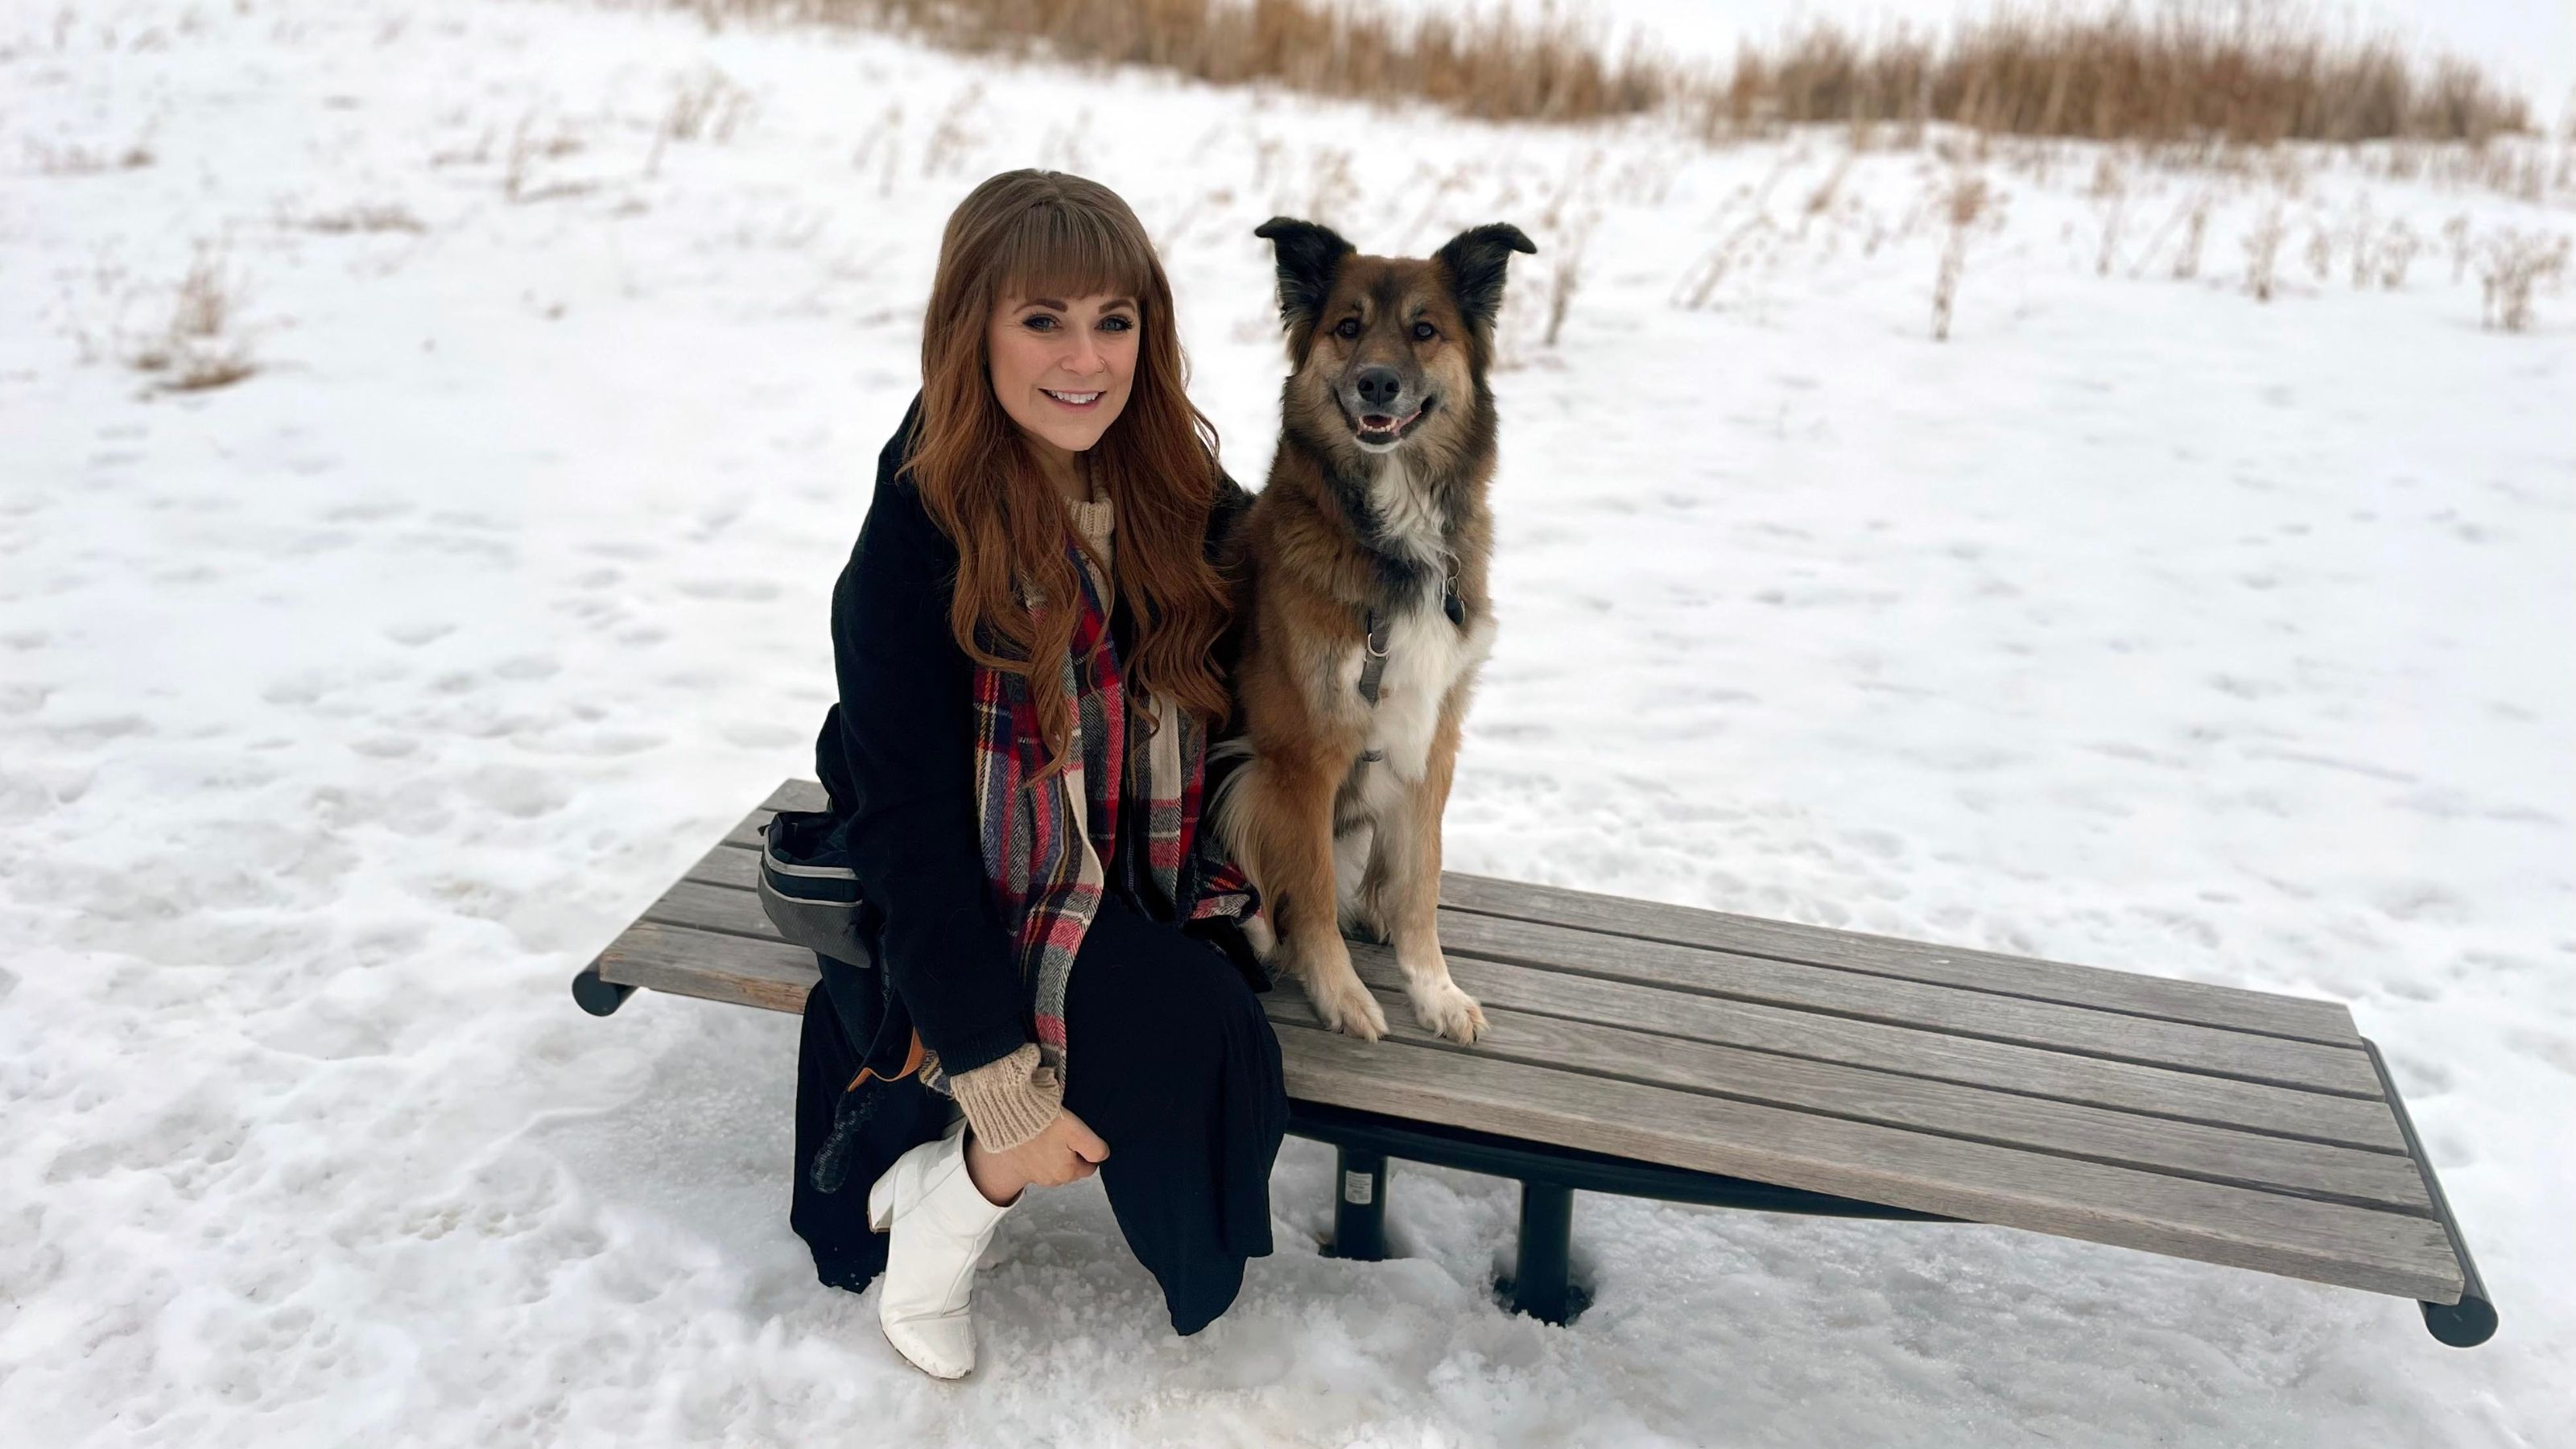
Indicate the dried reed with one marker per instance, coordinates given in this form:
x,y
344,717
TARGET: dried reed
x,y
2258,74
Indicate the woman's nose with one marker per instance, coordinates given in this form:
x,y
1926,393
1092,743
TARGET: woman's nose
x,y
1083,358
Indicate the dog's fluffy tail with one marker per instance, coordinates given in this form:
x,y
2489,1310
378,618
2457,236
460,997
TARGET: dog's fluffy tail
x,y
1227,760
1227,808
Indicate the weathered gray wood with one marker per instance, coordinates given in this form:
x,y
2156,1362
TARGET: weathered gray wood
x,y
714,967
2233,1007
2105,1133
798,795
2215,1154
2325,1242
736,968
727,865
704,907
2198,1121
1939,1056
1970,1012
1911,1003
746,835
1911,1049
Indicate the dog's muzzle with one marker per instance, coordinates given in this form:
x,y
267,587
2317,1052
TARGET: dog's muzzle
x,y
1379,409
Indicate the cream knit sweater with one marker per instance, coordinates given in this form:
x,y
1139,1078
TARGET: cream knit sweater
x,y
1009,1101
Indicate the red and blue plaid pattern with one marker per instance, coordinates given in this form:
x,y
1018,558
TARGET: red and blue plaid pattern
x,y
1045,841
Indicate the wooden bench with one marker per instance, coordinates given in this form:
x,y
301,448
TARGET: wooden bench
x,y
1692,1056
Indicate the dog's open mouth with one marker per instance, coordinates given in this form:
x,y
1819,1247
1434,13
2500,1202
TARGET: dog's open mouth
x,y
1383,427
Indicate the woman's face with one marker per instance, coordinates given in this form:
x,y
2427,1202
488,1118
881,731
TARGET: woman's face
x,y
1061,365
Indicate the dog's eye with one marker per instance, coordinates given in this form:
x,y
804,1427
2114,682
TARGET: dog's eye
x,y
1424,331
1347,328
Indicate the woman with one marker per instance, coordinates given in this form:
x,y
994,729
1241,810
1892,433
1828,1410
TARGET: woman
x,y
1026,642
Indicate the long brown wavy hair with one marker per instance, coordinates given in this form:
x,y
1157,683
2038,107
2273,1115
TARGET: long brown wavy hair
x,y
1038,234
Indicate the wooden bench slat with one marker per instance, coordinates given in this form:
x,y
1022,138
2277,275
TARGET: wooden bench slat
x,y
713,908
2233,1007
2030,1022
725,876
798,795
2217,1154
727,865
1939,1056
1910,1003
2324,1242
1798,1083
2208,1003
2208,1122
771,975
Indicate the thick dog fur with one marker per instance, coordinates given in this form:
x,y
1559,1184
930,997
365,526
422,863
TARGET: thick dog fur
x,y
1376,501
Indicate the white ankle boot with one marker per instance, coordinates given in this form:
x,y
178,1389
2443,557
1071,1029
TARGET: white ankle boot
x,y
941,1223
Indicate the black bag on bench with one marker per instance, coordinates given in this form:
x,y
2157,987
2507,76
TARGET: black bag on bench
x,y
809,890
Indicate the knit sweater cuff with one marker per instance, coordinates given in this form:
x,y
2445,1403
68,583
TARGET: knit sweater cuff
x,y
1009,1101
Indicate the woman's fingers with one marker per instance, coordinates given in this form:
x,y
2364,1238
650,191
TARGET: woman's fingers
x,y
1086,1143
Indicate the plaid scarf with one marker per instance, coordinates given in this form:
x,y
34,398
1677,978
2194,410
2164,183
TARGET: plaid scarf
x,y
1045,841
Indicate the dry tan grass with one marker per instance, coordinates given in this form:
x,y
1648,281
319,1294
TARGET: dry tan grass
x,y
2263,253
51,160
2513,267
2261,75
1492,68
2257,74
198,349
1964,202
367,217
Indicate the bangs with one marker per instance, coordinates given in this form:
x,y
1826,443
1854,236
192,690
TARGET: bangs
x,y
1054,250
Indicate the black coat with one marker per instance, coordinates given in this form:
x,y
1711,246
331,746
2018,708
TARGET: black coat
x,y
896,752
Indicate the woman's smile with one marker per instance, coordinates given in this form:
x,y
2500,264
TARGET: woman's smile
x,y
1080,402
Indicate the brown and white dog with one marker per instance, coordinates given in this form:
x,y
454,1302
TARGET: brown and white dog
x,y
1361,595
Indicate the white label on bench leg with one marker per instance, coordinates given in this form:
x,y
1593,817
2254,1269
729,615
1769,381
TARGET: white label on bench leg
x,y
1358,1188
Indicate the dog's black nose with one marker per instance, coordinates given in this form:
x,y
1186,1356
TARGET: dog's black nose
x,y
1379,387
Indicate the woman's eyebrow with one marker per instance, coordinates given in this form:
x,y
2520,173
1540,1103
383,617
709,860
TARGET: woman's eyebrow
x,y
1055,305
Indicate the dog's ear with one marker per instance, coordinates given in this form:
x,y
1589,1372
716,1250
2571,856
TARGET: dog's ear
x,y
1309,255
1474,260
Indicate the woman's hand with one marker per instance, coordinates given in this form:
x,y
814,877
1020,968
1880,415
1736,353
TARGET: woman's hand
x,y
1066,1151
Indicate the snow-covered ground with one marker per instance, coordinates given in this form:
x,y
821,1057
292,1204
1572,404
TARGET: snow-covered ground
x,y
344,710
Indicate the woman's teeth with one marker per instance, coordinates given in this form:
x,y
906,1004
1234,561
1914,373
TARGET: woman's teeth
x,y
1072,399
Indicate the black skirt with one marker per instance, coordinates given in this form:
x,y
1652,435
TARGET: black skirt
x,y
1170,1060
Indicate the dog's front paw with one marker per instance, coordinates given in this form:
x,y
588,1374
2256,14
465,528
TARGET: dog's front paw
x,y
1347,1006
1445,1009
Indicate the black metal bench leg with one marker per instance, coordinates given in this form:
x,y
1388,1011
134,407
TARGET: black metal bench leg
x,y
1359,1205
2472,1320
2465,1324
1541,1284
597,996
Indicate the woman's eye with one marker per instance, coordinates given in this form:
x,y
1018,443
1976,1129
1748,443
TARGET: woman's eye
x,y
1041,322
1424,331
1117,324
1348,329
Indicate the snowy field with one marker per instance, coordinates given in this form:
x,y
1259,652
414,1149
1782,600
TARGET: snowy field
x,y
347,708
